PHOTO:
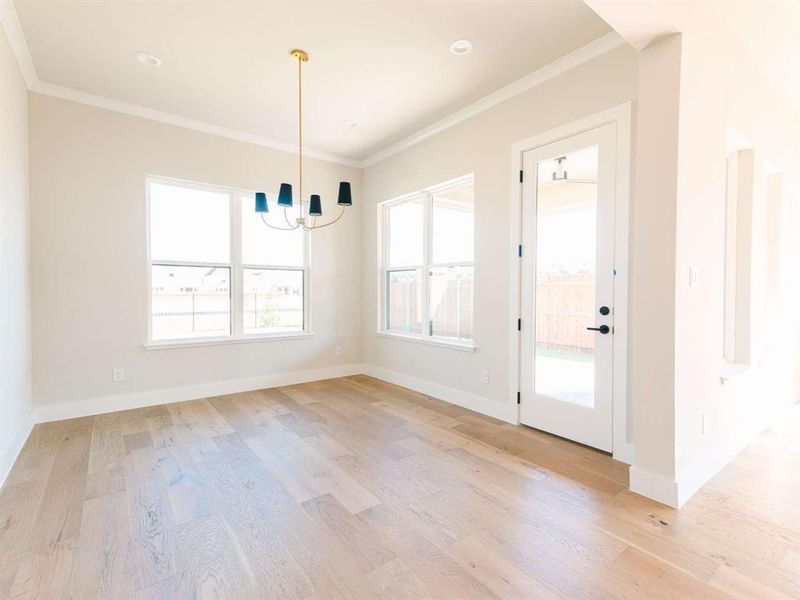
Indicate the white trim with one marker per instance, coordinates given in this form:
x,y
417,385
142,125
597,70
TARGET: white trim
x,y
235,266
425,196
656,487
222,340
19,46
430,341
16,40
237,272
623,413
730,371
137,110
569,61
107,404
678,491
621,116
479,404
14,447
698,473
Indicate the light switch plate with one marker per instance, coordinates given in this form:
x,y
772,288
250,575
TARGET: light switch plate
x,y
694,276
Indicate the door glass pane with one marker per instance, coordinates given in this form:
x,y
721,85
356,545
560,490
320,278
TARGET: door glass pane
x,y
273,300
453,225
404,301
566,232
190,302
451,302
264,246
188,224
405,233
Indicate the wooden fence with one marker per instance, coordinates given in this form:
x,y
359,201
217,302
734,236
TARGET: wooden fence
x,y
565,307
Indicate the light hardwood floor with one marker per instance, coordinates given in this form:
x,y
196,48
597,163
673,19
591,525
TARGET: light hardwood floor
x,y
354,488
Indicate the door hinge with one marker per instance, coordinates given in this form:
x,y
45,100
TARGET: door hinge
x,y
521,176
520,250
519,324
519,398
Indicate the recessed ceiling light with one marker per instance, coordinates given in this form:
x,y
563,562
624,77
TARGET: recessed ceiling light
x,y
147,59
351,123
461,47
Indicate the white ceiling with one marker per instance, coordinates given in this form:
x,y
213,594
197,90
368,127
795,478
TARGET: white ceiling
x,y
768,31
383,64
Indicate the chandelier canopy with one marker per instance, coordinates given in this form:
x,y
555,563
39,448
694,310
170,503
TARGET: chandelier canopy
x,y
307,219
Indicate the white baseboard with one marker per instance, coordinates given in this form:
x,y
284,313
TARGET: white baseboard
x,y
485,406
678,491
717,458
107,404
12,450
625,453
656,487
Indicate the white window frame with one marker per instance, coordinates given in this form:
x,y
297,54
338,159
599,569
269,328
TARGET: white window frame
x,y
426,195
236,266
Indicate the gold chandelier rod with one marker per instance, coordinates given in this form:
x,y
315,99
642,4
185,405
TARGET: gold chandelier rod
x,y
301,56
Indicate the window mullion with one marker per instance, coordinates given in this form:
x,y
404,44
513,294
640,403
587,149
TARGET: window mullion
x,y
384,263
237,275
425,274
306,282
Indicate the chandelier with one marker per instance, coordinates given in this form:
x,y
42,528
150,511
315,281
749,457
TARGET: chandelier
x,y
307,219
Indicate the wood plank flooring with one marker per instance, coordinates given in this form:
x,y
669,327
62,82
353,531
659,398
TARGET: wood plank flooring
x,y
355,488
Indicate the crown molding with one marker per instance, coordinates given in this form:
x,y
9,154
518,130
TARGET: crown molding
x,y
137,110
16,40
19,46
569,61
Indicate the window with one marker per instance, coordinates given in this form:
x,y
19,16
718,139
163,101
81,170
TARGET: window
x,y
216,271
428,270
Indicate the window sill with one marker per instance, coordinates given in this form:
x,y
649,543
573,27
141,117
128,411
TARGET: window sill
x,y
730,371
219,341
428,342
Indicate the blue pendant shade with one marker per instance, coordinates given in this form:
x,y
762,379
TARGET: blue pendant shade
x,y
261,202
315,206
285,195
345,194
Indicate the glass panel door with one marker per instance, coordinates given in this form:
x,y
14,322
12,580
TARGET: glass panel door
x,y
566,339
566,243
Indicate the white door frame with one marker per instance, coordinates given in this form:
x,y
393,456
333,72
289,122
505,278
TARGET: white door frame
x,y
620,115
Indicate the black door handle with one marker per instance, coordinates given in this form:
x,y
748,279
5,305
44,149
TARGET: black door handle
x,y
604,329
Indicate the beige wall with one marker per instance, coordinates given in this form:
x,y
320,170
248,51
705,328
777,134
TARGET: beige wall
x,y
652,283
481,145
89,276
721,91
700,99
15,336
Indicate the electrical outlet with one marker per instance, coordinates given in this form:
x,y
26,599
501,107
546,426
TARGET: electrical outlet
x,y
118,374
338,350
484,375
